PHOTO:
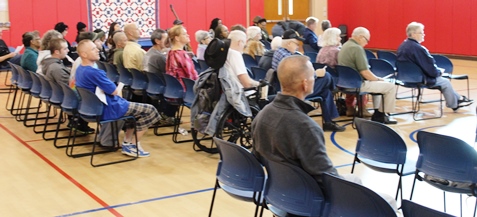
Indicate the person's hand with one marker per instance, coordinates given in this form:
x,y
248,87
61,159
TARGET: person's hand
x,y
13,54
320,72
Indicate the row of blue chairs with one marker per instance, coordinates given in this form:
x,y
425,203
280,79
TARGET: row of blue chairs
x,y
286,189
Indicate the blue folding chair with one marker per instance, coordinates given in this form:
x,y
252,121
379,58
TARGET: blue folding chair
x,y
445,160
290,190
55,102
174,95
239,174
125,77
258,73
369,54
308,48
380,148
139,84
446,64
101,65
329,69
345,198
410,75
312,56
111,72
12,87
249,61
203,65
266,44
91,110
189,95
411,209
382,68
388,56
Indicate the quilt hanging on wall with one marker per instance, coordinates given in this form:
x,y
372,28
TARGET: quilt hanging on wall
x,y
143,12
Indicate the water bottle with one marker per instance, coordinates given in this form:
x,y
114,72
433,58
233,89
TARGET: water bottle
x,y
183,131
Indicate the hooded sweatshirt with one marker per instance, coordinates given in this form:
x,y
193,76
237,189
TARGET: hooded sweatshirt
x,y
54,70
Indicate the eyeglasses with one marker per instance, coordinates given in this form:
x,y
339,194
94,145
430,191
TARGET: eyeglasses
x,y
367,40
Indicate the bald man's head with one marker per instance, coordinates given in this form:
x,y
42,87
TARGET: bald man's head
x,y
292,72
132,31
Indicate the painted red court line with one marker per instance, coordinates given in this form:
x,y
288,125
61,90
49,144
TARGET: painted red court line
x,y
68,177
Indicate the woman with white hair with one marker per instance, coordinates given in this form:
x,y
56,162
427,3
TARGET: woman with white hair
x,y
203,38
254,47
330,46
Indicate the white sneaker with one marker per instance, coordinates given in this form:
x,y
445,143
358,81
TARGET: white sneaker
x,y
133,151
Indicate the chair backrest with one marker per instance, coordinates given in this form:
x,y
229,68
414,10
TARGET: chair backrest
x,y
312,56
196,65
379,142
112,72
203,65
36,86
139,81
238,168
444,62
408,72
26,82
259,73
189,93
446,157
291,189
369,54
343,28
174,89
309,48
46,89
90,108
249,61
346,198
56,94
267,44
411,209
387,55
381,67
329,69
125,76
156,84
15,73
348,77
70,100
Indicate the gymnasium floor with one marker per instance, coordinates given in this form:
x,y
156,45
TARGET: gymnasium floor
x,y
40,180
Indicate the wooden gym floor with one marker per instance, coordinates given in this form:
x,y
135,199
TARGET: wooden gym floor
x,y
38,179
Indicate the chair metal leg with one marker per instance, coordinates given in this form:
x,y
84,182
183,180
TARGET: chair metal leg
x,y
413,184
445,202
213,197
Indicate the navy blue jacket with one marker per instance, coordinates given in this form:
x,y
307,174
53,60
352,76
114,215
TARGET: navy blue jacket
x,y
413,51
311,39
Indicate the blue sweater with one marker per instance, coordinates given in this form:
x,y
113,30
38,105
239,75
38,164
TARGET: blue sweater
x,y
413,51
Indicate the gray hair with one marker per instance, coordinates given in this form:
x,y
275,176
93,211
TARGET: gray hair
x,y
276,43
201,35
50,34
237,35
117,36
330,37
253,31
413,27
360,31
157,34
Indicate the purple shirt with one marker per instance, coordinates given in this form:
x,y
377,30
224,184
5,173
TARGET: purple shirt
x,y
328,55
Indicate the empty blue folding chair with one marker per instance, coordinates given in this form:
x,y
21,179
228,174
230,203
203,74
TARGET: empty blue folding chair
x,y
411,209
369,54
249,61
446,64
388,56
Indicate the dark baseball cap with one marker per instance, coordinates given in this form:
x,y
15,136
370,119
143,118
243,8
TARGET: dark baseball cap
x,y
292,34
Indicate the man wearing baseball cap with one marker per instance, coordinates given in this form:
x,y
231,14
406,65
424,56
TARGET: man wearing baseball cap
x,y
324,84
262,23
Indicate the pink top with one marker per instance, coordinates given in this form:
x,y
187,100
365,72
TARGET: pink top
x,y
328,55
180,65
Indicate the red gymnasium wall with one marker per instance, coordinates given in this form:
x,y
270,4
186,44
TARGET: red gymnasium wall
x,y
450,25
42,15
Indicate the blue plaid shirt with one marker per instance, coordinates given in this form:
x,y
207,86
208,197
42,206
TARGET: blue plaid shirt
x,y
278,56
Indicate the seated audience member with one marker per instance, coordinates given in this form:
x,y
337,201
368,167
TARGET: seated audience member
x,y
324,83
84,35
102,50
114,27
234,62
133,54
120,39
330,42
238,27
280,28
352,54
44,51
325,24
31,41
266,60
90,78
254,46
81,27
214,23
309,34
221,32
262,24
56,71
72,55
203,38
6,55
283,132
179,63
412,50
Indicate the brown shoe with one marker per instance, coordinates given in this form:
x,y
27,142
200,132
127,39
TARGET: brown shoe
x,y
366,113
350,111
